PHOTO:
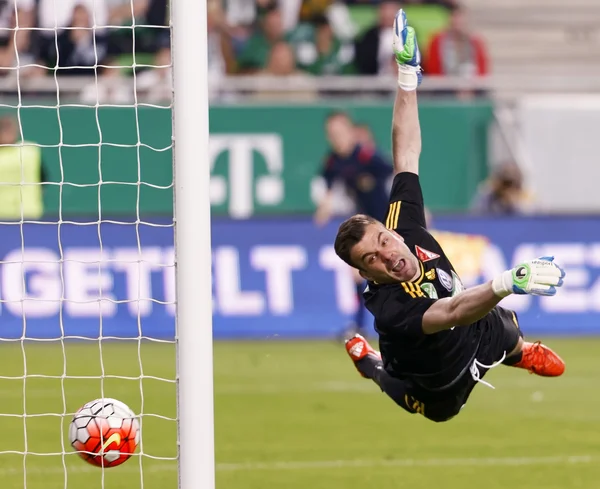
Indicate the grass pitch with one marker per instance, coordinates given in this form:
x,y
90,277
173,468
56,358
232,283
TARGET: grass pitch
x,y
296,415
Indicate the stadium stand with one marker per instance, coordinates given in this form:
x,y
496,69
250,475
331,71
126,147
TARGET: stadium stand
x,y
532,36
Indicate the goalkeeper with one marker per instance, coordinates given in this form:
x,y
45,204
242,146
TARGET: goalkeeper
x,y
437,340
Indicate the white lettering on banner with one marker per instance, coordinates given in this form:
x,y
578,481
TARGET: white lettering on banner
x,y
594,260
345,290
574,294
231,300
120,279
278,262
88,283
594,254
138,266
594,296
40,296
241,148
169,280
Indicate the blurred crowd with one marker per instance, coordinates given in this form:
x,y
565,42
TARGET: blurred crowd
x,y
276,37
74,36
315,37
93,38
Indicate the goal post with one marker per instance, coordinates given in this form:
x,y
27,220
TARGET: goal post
x,y
192,244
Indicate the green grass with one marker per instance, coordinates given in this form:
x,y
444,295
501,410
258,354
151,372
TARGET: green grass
x,y
295,415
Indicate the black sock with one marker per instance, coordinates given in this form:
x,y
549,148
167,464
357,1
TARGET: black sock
x,y
394,388
513,359
369,366
359,317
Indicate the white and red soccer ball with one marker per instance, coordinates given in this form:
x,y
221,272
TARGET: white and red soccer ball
x,y
105,432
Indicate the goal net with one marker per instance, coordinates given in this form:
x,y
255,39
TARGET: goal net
x,y
87,286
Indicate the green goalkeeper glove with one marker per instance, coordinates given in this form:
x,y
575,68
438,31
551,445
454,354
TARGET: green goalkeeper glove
x,y
536,277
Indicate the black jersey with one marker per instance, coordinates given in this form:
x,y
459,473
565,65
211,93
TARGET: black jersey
x,y
433,362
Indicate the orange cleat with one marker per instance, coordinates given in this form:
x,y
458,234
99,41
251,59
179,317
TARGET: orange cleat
x,y
358,348
541,360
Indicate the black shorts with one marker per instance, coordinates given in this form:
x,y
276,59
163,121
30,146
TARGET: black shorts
x,y
495,343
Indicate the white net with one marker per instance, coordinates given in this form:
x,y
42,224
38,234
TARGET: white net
x,y
87,286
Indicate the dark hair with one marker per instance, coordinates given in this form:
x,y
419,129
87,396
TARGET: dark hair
x,y
262,12
349,234
455,7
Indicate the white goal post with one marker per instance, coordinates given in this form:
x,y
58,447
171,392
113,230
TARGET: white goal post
x,y
192,244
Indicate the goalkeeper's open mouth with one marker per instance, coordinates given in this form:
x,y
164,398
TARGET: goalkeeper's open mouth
x,y
398,267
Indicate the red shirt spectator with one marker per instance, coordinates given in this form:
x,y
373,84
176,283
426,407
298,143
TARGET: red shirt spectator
x,y
455,51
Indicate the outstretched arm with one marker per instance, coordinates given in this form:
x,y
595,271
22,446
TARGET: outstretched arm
x,y
537,277
461,310
406,132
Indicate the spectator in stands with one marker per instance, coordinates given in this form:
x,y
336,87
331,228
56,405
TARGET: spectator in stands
x,y
21,174
80,49
149,16
374,54
54,16
319,51
9,45
364,135
281,62
503,193
221,59
365,175
268,32
456,51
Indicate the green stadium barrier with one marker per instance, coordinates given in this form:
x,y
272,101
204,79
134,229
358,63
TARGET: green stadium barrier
x,y
263,158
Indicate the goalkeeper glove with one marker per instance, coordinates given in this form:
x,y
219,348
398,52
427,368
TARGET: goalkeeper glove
x,y
406,51
536,277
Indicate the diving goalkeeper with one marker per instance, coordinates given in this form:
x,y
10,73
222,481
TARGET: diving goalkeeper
x,y
437,340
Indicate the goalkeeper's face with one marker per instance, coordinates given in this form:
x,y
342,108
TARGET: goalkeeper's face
x,y
383,257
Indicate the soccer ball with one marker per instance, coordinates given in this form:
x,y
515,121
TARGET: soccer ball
x,y
104,432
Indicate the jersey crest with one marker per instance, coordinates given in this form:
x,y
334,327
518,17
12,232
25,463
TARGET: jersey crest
x,y
425,255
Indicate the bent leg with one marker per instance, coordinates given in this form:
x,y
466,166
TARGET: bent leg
x,y
368,363
396,389
402,394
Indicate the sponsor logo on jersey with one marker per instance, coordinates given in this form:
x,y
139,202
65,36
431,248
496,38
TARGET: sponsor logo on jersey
x,y
429,289
457,285
425,255
445,279
430,274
